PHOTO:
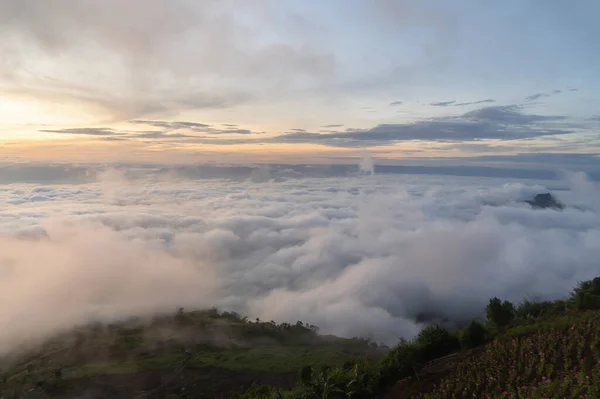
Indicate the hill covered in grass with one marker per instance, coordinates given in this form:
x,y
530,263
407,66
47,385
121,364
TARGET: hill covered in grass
x,y
531,350
199,354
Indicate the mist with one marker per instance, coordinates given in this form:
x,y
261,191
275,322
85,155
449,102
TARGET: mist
x,y
357,256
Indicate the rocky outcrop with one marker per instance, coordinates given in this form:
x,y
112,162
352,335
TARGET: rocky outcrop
x,y
543,201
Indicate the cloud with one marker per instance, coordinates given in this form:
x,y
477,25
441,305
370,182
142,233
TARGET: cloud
x,y
160,63
115,135
442,103
537,96
352,256
193,126
555,159
496,122
507,122
509,114
393,103
11,173
492,165
332,126
534,97
121,283
160,135
475,102
164,134
89,131
171,125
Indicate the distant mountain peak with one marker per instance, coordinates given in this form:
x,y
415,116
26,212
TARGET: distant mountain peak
x,y
543,201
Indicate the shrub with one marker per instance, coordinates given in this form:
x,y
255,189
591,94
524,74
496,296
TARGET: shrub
x,y
472,335
351,382
435,341
500,313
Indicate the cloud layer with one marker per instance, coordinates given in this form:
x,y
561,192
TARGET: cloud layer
x,y
507,122
353,255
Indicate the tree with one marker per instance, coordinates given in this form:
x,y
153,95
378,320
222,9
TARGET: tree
x,y
586,295
472,335
435,341
500,313
399,362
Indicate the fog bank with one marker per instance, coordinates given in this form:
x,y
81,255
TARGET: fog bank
x,y
364,255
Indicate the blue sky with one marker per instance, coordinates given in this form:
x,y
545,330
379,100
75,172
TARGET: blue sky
x,y
458,79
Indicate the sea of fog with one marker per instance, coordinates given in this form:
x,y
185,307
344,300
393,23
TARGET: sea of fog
x,y
358,256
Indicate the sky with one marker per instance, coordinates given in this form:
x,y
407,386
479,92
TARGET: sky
x,y
274,157
301,81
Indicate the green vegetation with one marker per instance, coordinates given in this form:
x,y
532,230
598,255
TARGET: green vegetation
x,y
545,349
435,341
537,350
587,294
500,313
205,352
562,361
472,335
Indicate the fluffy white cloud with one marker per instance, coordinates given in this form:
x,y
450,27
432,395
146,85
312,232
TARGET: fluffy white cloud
x,y
356,255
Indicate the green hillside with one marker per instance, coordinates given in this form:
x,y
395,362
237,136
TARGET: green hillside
x,y
531,350
200,354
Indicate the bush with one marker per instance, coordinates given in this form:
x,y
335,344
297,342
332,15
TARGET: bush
x,y
354,381
586,295
472,335
529,309
500,313
435,341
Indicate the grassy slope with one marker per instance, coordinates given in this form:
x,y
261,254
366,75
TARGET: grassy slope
x,y
555,358
195,354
